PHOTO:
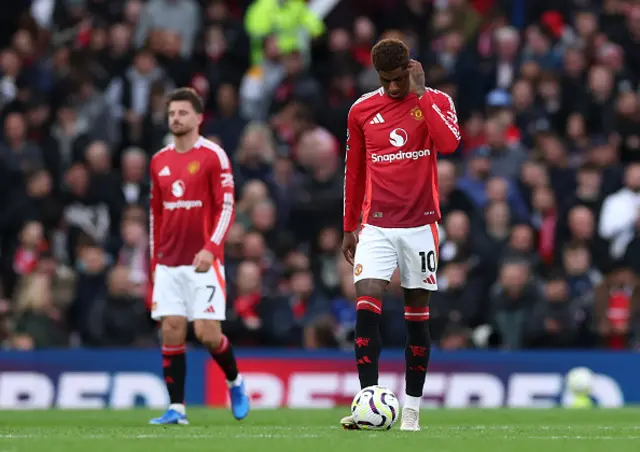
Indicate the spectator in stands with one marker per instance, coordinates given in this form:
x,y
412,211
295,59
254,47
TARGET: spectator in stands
x,y
134,184
512,300
553,322
581,275
289,20
178,16
452,197
40,323
128,95
458,303
616,308
229,124
620,212
522,245
118,318
246,321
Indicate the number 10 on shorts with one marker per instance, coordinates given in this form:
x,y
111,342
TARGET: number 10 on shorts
x,y
427,261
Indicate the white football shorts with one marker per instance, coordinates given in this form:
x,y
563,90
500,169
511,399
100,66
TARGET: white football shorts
x,y
413,251
181,291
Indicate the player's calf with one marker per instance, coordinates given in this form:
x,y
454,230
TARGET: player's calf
x,y
368,342
417,353
174,364
209,333
174,369
417,350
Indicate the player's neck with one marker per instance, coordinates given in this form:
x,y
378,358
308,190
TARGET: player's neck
x,y
185,143
398,99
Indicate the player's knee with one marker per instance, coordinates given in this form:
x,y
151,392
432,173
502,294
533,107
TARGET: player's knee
x,y
174,330
209,334
374,288
416,298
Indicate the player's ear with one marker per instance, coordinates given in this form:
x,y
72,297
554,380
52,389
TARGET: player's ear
x,y
200,118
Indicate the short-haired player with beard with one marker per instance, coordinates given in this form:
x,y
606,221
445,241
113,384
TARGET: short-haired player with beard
x,y
391,209
192,209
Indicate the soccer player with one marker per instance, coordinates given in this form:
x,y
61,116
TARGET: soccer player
x,y
192,208
394,135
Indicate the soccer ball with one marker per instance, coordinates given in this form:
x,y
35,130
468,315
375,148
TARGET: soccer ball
x,y
580,380
375,408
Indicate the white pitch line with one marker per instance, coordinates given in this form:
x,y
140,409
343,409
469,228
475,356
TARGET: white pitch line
x,y
167,436
578,437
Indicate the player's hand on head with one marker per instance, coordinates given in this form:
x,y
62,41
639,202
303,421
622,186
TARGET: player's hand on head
x,y
203,261
349,243
416,74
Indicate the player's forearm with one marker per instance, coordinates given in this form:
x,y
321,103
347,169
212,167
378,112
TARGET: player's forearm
x,y
442,122
354,188
154,233
351,221
222,224
352,210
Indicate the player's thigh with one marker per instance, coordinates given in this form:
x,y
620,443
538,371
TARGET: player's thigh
x,y
418,257
376,256
207,293
167,298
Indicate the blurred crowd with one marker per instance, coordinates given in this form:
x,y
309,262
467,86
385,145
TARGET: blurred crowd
x,y
540,236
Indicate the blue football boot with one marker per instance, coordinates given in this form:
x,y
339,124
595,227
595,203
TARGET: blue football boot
x,y
171,416
239,401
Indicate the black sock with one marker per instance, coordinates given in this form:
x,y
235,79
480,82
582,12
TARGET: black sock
x,y
174,369
417,349
225,358
368,341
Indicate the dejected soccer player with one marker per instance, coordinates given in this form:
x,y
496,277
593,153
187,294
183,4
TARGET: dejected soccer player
x,y
391,209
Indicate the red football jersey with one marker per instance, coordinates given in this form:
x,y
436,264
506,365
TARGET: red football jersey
x,y
391,173
192,203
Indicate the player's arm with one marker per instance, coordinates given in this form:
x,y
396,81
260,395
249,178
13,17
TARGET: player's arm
x,y
441,119
223,194
354,174
439,111
155,219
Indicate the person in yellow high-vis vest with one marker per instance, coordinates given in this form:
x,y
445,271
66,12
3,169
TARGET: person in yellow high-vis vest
x,y
290,20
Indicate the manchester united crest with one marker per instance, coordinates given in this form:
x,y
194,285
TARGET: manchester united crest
x,y
417,114
358,269
193,167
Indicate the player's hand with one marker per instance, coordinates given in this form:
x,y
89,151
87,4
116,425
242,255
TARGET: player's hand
x,y
416,74
203,261
349,243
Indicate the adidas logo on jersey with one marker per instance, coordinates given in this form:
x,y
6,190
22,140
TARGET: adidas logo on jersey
x,y
377,119
210,310
165,171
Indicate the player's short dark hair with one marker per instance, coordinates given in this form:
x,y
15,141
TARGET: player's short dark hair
x,y
186,94
390,54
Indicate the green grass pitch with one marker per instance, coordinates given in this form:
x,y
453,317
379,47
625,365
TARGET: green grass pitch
x,y
318,431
